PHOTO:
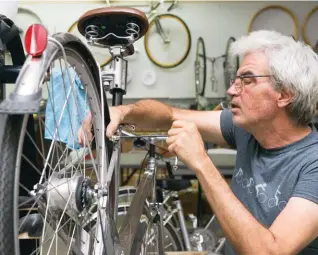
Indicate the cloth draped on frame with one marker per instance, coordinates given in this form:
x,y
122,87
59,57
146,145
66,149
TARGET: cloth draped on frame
x,y
63,120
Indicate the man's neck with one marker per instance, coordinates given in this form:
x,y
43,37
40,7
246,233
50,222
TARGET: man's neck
x,y
279,133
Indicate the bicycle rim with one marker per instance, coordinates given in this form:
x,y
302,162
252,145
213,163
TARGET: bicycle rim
x,y
230,64
175,28
200,67
101,55
61,168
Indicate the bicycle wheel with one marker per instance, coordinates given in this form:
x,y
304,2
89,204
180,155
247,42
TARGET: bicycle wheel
x,y
167,41
230,64
102,55
200,67
171,240
146,229
57,210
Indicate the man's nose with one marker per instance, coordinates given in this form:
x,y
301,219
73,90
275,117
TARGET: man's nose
x,y
232,90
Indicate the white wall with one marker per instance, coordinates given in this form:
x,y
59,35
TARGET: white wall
x,y
214,21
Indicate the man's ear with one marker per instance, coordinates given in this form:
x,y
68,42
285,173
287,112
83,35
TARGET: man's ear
x,y
285,97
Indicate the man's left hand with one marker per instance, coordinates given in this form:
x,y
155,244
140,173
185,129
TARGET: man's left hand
x,y
186,142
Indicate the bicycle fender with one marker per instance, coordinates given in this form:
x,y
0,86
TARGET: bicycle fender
x,y
27,95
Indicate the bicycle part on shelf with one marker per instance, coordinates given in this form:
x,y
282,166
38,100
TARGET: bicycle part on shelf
x,y
203,240
213,77
304,28
157,40
111,26
230,64
200,67
280,8
102,56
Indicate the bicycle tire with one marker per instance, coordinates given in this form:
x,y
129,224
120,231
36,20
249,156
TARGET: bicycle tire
x,y
200,43
304,28
106,61
281,8
12,134
188,47
228,72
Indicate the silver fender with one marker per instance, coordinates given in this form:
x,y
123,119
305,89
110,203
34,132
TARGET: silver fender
x,y
27,94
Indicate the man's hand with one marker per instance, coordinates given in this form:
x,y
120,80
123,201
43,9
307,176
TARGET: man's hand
x,y
185,141
85,129
117,115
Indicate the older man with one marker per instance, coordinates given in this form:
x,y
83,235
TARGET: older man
x,y
271,206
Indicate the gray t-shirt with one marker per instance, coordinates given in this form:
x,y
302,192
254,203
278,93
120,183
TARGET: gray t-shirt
x,y
264,180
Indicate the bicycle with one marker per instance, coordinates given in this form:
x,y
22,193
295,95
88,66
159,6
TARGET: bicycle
x,y
167,25
194,239
74,201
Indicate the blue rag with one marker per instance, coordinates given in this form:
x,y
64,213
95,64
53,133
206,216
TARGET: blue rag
x,y
74,113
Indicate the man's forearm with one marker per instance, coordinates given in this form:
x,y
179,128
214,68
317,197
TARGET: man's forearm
x,y
148,114
245,233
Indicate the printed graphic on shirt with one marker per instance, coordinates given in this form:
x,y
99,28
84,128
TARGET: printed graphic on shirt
x,y
260,190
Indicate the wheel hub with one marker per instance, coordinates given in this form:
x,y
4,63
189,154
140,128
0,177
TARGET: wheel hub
x,y
73,193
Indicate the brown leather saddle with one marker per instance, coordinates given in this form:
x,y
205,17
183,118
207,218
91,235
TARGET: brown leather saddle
x,y
120,21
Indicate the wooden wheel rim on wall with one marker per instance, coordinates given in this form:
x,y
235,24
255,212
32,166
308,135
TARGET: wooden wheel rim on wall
x,y
281,8
305,24
188,41
107,59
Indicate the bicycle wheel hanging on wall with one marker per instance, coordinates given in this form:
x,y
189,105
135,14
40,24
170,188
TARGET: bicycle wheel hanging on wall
x,y
168,41
309,39
277,21
101,55
230,64
200,67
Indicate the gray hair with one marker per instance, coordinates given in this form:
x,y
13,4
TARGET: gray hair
x,y
293,66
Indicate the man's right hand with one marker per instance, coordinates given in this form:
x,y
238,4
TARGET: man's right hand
x,y
116,115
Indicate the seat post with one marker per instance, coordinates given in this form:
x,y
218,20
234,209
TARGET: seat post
x,y
114,76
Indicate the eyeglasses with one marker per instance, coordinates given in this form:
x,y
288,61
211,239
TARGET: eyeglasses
x,y
246,79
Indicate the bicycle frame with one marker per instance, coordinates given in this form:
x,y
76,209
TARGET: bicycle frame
x,y
152,15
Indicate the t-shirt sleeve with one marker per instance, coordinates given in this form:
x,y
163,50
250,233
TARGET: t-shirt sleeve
x,y
227,127
307,185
